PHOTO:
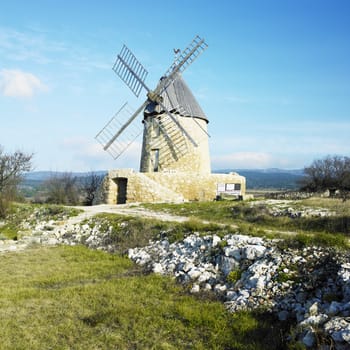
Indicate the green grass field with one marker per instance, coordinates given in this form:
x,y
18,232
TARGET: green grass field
x,y
75,298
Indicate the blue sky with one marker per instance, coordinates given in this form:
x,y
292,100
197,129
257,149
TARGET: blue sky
x,y
274,81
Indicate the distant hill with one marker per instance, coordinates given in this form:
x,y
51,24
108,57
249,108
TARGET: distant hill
x,y
273,178
44,175
278,179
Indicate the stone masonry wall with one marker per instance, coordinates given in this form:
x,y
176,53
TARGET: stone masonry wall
x,y
194,186
165,187
139,188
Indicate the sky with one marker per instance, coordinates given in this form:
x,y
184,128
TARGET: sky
x,y
274,81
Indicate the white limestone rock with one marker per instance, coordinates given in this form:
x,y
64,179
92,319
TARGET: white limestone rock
x,y
252,252
195,288
215,240
228,264
158,268
234,252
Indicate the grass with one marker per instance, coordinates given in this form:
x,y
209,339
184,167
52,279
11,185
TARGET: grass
x,y
334,204
256,220
9,231
75,298
31,213
218,211
128,232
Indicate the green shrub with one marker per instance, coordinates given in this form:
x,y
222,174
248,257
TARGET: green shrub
x,y
9,231
234,276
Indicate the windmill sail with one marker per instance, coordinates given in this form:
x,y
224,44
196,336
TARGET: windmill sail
x,y
186,57
130,70
113,138
121,130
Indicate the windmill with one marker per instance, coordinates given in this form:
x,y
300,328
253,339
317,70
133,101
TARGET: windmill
x,y
173,125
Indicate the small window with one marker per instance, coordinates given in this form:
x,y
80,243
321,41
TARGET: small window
x,y
156,128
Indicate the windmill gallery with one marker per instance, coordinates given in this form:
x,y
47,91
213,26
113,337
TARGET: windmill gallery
x,y
175,161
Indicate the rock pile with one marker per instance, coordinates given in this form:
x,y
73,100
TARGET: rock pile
x,y
311,285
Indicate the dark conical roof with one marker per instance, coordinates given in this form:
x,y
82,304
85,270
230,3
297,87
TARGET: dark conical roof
x,y
177,98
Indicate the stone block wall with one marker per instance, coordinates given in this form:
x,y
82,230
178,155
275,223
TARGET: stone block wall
x,y
140,188
166,187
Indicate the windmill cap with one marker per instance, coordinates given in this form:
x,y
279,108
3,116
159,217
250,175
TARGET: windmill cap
x,y
177,98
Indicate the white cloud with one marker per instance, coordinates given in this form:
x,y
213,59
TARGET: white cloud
x,y
87,154
243,160
16,83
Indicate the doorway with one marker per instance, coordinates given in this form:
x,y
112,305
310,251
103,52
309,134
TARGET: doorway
x,y
122,184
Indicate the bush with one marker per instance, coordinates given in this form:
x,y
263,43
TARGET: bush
x,y
62,189
234,276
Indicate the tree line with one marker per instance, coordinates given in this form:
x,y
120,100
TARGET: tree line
x,y
68,189
331,173
63,189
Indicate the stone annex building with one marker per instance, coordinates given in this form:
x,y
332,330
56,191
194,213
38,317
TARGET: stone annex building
x,y
172,169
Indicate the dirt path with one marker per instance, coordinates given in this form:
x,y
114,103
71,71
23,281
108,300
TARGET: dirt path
x,y
88,212
124,209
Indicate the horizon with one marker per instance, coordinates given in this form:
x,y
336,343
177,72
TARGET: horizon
x,y
274,81
213,171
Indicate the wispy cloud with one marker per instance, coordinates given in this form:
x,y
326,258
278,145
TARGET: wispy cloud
x,y
16,83
262,99
41,47
27,46
243,160
87,155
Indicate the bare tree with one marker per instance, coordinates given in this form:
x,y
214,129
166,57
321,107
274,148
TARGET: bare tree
x,y
330,173
90,185
12,167
62,189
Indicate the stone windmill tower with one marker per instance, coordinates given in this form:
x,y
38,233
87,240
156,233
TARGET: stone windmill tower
x,y
169,149
175,162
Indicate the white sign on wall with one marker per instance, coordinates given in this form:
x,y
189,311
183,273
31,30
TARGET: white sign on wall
x,y
229,188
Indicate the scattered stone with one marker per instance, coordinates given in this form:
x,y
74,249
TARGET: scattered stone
x,y
313,309
195,288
